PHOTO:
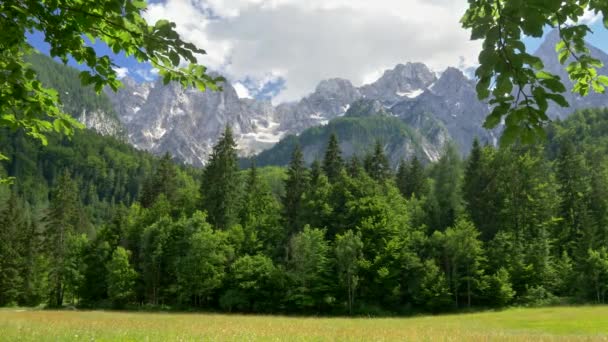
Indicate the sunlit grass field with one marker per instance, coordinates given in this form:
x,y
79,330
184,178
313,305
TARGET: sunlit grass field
x,y
546,324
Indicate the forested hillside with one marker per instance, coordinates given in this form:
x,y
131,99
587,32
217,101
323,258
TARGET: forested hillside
x,y
365,123
94,223
83,103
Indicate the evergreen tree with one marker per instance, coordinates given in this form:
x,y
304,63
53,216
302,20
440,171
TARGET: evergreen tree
x,y
354,167
447,175
332,163
220,185
401,178
377,164
295,185
63,222
259,215
477,191
316,171
162,181
12,226
415,182
575,187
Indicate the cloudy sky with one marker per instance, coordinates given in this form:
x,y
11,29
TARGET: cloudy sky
x,y
293,44
281,49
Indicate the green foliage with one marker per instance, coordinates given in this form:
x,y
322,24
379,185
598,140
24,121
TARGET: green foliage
x,y
376,163
251,284
515,81
69,28
295,186
348,251
220,184
308,269
332,163
381,248
121,277
360,134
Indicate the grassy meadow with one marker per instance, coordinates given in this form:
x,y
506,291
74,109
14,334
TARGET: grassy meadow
x,y
544,324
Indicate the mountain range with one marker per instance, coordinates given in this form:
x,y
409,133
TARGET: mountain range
x,y
410,109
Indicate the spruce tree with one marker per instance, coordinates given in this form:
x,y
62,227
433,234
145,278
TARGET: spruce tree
x,y
332,163
447,192
220,183
415,182
316,170
295,185
479,197
401,178
162,181
354,167
259,215
377,164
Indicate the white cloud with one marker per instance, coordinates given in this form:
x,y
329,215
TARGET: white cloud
x,y
590,18
241,90
147,74
304,42
121,72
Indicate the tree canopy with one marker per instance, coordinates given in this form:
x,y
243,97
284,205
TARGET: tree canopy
x,y
515,81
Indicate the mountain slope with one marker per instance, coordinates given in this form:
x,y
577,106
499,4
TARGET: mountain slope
x,y
186,123
83,103
363,124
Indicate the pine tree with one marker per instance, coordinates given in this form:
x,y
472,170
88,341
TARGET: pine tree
x,y
295,185
377,164
220,184
332,163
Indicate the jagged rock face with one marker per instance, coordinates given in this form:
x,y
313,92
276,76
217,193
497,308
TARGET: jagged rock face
x,y
330,99
546,52
102,123
404,81
452,101
128,101
186,123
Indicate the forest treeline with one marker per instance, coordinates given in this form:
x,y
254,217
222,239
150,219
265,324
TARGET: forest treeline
x,y
94,223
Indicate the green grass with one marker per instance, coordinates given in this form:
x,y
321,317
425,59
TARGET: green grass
x,y
546,324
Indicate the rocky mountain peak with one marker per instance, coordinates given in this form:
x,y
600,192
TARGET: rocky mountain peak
x,y
405,80
334,86
450,81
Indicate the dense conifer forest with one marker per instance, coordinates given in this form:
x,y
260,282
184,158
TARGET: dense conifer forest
x,y
92,222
